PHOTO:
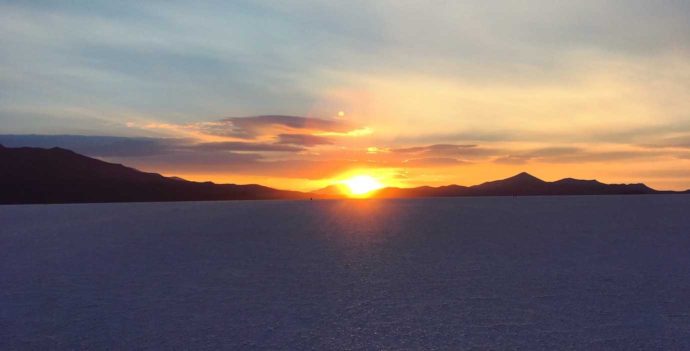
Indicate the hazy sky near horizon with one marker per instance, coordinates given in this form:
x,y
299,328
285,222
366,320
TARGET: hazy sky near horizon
x,y
298,94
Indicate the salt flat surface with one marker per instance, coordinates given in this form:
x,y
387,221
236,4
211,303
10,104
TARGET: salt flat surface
x,y
610,272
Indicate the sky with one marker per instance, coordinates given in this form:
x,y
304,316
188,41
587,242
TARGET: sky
x,y
302,94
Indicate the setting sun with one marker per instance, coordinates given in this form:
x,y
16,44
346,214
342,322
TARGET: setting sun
x,y
362,185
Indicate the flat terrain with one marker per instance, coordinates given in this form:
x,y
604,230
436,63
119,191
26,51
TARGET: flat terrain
x,y
590,273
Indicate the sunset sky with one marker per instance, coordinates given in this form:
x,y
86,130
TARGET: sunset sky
x,y
302,94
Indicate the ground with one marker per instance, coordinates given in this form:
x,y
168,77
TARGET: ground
x,y
592,272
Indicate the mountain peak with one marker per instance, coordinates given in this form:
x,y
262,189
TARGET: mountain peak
x,y
524,176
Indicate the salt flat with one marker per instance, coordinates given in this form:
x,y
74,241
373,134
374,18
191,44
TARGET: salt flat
x,y
597,272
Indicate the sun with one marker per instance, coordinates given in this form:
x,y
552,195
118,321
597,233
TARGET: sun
x,y
362,185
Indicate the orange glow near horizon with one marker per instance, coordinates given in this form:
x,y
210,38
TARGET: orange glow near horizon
x,y
362,185
466,174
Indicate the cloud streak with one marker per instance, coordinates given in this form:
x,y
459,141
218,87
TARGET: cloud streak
x,y
98,146
573,155
253,127
244,146
303,139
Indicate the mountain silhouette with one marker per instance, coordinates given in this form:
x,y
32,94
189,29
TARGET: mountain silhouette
x,y
36,175
520,184
524,184
333,190
56,175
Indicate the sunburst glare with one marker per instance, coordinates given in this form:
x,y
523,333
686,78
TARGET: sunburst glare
x,y
362,185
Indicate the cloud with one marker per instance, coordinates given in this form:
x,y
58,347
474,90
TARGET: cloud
x,y
253,127
512,159
303,139
572,155
112,146
98,146
651,135
466,151
464,136
603,156
443,148
245,146
681,142
433,162
557,151
677,173
209,162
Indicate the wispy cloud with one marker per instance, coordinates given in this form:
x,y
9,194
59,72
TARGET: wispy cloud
x,y
433,162
443,151
573,155
303,139
253,127
682,142
98,146
245,146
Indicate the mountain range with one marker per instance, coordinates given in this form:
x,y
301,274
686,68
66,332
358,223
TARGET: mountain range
x,y
523,184
56,175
